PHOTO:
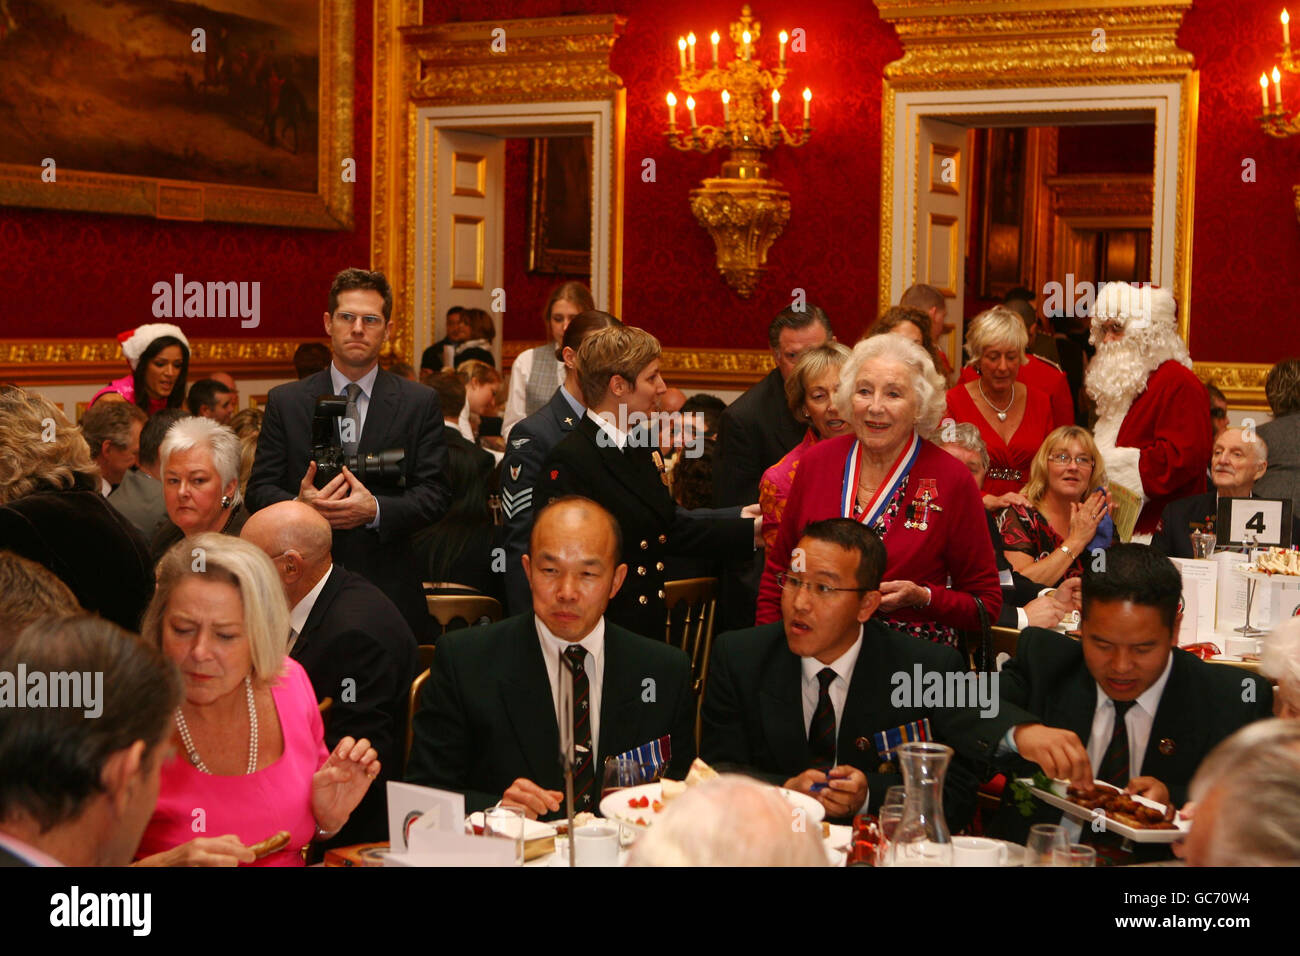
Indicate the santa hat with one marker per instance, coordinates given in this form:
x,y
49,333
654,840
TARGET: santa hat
x,y
137,341
1135,306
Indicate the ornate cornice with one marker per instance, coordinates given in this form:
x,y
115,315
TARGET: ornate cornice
x,y
1242,384
46,361
733,369
1025,42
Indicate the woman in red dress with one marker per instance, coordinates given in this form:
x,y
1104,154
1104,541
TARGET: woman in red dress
x,y
1013,418
921,500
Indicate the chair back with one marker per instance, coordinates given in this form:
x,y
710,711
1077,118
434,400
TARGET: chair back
x,y
413,702
455,611
692,605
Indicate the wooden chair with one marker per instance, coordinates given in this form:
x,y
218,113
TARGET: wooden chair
x,y
413,703
455,611
691,629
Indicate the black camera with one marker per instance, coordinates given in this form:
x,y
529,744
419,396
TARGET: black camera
x,y
383,469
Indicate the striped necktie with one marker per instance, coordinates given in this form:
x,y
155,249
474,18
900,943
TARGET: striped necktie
x,y
1114,762
821,732
584,777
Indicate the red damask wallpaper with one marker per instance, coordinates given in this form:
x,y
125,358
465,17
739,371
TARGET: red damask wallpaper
x,y
84,275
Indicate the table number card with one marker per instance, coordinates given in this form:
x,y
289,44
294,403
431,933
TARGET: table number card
x,y
1267,520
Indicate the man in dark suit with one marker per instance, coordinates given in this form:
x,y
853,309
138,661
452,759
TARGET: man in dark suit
x,y
488,724
757,429
804,702
1060,698
531,440
613,458
351,641
451,399
1235,465
372,532
80,780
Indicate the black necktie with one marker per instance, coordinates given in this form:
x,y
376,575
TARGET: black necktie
x,y
584,778
1114,762
353,431
821,732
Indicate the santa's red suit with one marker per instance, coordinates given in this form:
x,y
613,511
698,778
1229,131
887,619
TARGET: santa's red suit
x,y
1157,441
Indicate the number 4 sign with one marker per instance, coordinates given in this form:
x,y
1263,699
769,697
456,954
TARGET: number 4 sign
x,y
1265,520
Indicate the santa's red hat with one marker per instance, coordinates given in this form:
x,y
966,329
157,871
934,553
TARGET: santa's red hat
x,y
136,341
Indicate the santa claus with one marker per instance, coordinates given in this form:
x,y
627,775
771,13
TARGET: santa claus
x,y
1153,425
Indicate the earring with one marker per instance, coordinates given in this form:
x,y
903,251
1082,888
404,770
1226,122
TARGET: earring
x,y
225,501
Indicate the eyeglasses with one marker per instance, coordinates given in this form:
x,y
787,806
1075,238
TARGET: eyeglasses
x,y
1061,458
789,582
347,318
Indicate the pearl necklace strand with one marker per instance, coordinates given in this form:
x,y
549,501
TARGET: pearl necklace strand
x,y
1001,412
193,754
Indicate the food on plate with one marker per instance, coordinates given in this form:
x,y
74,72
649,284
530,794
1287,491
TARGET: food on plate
x,y
699,773
1122,808
271,845
1275,561
671,789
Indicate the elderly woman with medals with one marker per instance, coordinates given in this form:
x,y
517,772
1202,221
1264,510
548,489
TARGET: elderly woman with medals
x,y
921,500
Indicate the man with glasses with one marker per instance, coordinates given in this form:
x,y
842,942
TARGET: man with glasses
x,y
817,701
372,529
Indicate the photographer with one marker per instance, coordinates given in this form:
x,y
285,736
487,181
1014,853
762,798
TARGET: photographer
x,y
373,515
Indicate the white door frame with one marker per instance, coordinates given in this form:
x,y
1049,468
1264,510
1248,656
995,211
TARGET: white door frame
x,y
512,119
1170,104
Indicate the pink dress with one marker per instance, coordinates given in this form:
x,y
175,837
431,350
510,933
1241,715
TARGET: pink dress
x,y
252,806
774,488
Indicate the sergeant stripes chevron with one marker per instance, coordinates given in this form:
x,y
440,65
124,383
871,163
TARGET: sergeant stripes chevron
x,y
517,503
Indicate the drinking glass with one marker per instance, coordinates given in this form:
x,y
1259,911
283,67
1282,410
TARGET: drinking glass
x,y
622,772
1043,839
1074,854
506,823
894,796
1203,544
888,820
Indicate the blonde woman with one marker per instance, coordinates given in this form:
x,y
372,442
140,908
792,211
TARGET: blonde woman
x,y
1068,514
249,741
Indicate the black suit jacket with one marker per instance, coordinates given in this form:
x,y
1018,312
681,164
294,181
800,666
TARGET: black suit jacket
x,y
753,710
1021,590
531,440
1173,536
401,414
83,540
756,432
1048,682
358,650
629,485
487,716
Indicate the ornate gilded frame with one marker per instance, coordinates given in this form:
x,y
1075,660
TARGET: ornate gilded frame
x,y
974,45
557,59
329,207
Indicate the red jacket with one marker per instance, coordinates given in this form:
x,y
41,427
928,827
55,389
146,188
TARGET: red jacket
x,y
1048,379
956,544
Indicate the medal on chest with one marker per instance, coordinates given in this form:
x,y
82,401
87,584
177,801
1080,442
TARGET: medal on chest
x,y
920,507
663,470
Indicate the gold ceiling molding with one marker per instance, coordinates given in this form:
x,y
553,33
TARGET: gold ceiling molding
x,y
1242,383
550,59
1025,41
72,361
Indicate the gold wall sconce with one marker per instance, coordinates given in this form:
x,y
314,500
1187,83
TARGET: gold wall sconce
x,y
1274,119
743,210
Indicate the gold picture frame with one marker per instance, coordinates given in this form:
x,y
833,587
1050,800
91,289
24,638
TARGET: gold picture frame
x,y
559,240
328,207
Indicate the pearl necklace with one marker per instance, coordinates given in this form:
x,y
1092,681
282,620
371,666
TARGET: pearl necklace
x,y
1001,412
188,741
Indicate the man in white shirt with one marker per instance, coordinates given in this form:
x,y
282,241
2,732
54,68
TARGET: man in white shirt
x,y
78,782
812,702
1172,708
488,724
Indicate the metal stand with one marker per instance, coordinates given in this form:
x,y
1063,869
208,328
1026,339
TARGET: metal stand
x,y
1246,630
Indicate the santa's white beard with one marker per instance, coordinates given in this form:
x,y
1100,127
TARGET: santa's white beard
x,y
1118,373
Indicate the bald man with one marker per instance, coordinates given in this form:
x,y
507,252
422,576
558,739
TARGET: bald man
x,y
488,723
350,639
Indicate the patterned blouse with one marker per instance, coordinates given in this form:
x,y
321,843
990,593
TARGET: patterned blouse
x,y
1028,531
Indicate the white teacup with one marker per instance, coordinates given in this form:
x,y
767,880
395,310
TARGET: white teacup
x,y
977,851
595,845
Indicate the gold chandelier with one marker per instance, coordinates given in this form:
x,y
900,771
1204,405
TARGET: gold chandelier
x,y
742,209
1274,119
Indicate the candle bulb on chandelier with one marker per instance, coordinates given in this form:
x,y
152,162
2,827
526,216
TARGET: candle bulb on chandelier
x,y
776,107
1277,87
690,45
807,106
672,110
726,107
1286,28
744,38
715,38
690,105
681,52
784,39
1263,90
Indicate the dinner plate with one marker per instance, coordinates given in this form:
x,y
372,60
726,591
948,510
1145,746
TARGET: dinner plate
x,y
1114,826
615,805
